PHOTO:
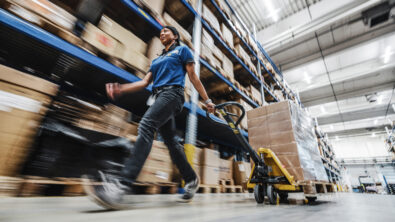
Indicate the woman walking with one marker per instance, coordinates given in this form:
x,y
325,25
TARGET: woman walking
x,y
167,72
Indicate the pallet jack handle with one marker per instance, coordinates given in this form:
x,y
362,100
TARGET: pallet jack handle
x,y
236,131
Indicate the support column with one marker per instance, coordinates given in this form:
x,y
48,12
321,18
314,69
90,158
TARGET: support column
x,y
191,128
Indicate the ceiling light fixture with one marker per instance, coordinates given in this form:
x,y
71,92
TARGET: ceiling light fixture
x,y
380,99
375,121
307,77
322,108
373,134
270,8
337,138
387,54
331,126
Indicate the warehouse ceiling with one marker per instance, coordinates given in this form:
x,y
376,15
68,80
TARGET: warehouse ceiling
x,y
338,54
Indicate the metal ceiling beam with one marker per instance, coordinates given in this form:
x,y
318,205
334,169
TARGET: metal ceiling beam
x,y
376,111
297,58
360,131
361,85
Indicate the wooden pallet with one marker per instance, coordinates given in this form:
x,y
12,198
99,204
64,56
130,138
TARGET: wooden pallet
x,y
155,188
9,186
39,186
317,187
231,189
205,188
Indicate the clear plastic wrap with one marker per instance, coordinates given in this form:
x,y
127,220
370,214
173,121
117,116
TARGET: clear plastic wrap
x,y
306,140
288,131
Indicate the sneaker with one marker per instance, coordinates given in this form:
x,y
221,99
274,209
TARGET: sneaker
x,y
190,190
108,192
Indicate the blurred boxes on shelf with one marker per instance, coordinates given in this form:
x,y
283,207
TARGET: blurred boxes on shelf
x,y
184,34
131,49
227,35
23,104
158,167
286,129
227,66
100,40
155,48
154,6
211,19
49,11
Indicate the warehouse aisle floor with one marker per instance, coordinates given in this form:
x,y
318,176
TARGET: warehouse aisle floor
x,y
216,207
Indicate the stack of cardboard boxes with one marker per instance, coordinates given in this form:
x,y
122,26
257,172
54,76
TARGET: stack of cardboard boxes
x,y
288,131
24,100
158,168
129,47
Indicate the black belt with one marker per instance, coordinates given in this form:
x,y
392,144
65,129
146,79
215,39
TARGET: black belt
x,y
161,88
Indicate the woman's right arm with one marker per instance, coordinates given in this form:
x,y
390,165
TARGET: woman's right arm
x,y
115,90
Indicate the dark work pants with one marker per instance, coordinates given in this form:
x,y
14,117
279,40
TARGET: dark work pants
x,y
160,116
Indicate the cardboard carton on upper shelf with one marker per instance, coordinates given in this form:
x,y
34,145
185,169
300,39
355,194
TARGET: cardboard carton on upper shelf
x,y
227,35
184,34
49,11
100,40
211,18
155,48
227,66
155,6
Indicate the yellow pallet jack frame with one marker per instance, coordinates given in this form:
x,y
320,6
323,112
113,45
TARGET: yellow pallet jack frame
x,y
268,176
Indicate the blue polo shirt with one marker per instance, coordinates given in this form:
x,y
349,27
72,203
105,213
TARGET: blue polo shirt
x,y
169,68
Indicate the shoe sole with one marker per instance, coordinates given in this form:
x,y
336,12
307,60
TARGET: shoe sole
x,y
181,200
88,187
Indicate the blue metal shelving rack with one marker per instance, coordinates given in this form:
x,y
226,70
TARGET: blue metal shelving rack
x,y
55,42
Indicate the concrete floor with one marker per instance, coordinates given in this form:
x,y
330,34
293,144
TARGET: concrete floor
x,y
217,207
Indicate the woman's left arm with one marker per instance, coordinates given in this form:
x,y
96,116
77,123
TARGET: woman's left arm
x,y
190,67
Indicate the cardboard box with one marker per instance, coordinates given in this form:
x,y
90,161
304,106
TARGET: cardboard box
x,y
226,169
198,157
241,172
49,11
227,35
136,59
155,48
227,65
207,39
154,175
100,40
16,77
155,6
209,174
184,34
287,130
210,158
24,101
211,18
218,54
129,40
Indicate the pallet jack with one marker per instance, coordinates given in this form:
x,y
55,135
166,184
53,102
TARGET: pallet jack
x,y
268,176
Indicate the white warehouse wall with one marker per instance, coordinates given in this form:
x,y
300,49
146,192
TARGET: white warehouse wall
x,y
360,147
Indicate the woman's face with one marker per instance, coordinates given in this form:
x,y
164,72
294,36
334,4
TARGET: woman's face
x,y
167,36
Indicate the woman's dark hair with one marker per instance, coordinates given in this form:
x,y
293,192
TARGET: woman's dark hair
x,y
175,32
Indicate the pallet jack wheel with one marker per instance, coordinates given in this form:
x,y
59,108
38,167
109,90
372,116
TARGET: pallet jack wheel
x,y
259,193
272,195
311,200
283,197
